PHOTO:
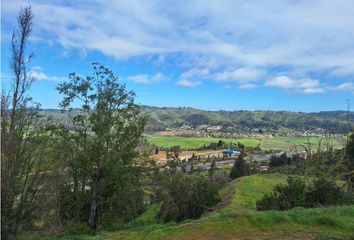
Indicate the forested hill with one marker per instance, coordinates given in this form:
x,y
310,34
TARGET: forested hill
x,y
159,118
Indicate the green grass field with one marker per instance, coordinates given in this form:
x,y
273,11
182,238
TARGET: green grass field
x,y
193,143
275,143
238,219
286,143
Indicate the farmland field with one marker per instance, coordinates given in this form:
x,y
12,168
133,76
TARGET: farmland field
x,y
287,143
193,143
275,143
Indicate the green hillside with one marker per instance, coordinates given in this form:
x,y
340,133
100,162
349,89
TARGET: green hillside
x,y
232,121
236,218
331,121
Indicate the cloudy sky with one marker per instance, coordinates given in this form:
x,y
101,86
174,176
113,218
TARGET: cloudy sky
x,y
280,55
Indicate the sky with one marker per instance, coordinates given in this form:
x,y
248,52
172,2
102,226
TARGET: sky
x,y
294,55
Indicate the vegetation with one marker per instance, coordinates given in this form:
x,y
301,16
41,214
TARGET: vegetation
x,y
22,141
297,194
194,143
105,138
240,167
92,175
274,143
283,159
318,186
349,162
334,122
239,219
187,196
237,121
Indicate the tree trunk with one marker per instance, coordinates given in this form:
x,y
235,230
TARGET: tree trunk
x,y
94,200
349,184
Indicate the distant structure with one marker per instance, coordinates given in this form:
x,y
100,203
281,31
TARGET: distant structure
x,y
263,168
230,152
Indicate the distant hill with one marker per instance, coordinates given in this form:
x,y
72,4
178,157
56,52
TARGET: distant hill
x,y
231,121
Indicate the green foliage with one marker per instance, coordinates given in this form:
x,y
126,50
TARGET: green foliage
x,y
296,194
240,167
238,219
100,149
187,196
268,121
24,144
335,122
324,193
284,197
349,162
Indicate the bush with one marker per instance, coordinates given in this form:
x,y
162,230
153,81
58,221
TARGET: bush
x,y
284,197
326,194
187,196
297,194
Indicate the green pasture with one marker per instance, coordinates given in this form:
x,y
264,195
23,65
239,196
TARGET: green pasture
x,y
274,143
287,143
193,143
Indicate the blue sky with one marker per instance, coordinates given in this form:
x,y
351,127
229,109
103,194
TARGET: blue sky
x,y
279,55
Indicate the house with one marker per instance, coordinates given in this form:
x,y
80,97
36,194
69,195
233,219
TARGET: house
x,y
263,168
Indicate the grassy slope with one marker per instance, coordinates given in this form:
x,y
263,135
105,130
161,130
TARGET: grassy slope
x,y
276,143
238,219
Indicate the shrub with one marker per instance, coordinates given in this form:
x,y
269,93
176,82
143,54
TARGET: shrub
x,y
297,194
284,197
326,194
187,196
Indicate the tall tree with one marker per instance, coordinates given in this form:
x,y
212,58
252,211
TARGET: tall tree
x,y
22,141
109,127
240,167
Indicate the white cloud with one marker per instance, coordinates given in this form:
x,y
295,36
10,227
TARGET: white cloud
x,y
236,41
248,86
192,77
195,72
148,79
187,83
312,90
238,75
37,74
305,86
347,86
288,83
308,35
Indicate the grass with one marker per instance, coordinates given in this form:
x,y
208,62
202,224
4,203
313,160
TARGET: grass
x,y
287,143
238,219
274,143
193,143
